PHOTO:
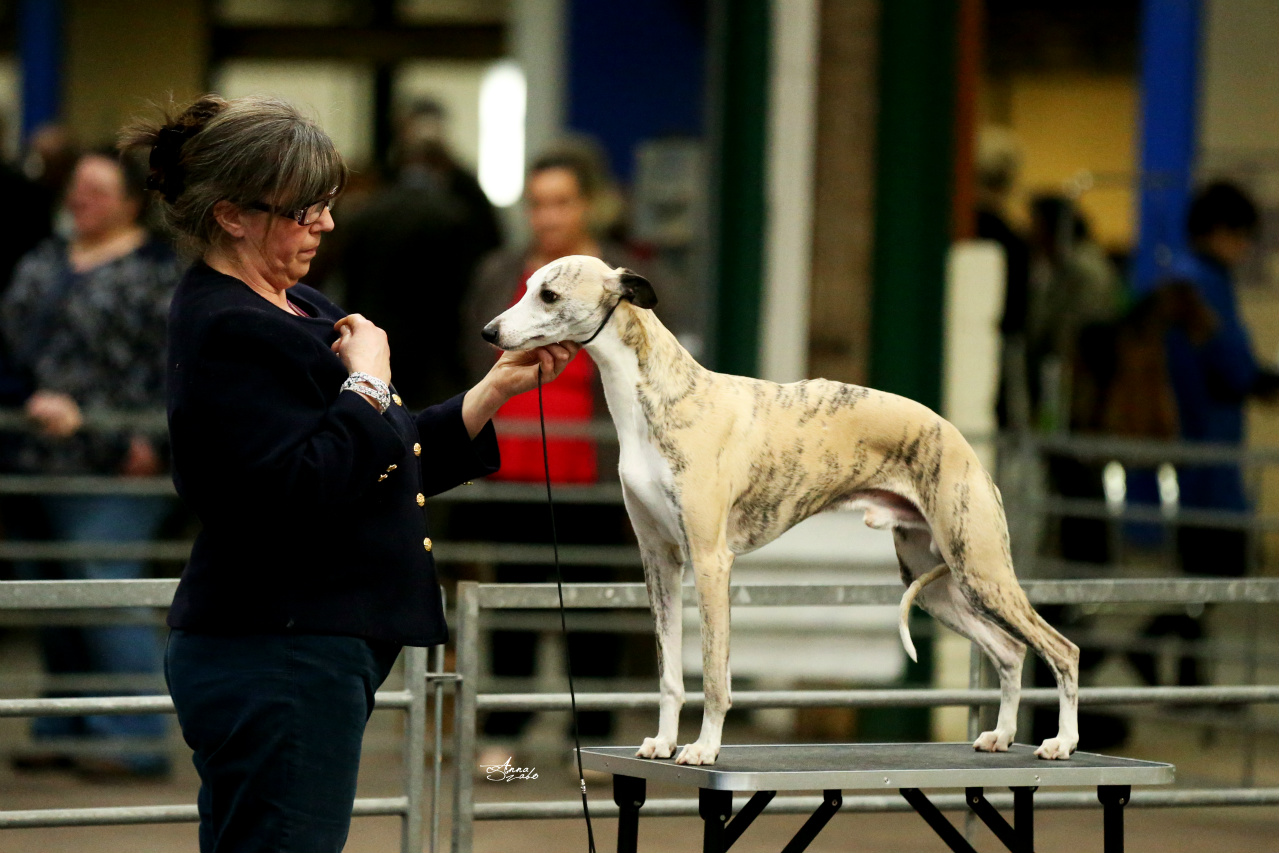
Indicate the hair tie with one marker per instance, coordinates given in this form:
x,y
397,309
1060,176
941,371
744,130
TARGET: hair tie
x,y
166,154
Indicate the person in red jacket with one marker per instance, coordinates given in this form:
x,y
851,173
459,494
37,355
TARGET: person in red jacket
x,y
569,202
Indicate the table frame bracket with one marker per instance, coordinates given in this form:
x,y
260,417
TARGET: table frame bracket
x,y
934,818
1019,836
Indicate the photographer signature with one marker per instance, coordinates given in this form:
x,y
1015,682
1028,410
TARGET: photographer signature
x,y
504,772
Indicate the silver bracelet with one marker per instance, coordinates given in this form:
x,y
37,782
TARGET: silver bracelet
x,y
365,383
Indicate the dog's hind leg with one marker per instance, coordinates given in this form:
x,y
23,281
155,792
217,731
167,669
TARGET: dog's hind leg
x,y
711,570
663,573
972,533
948,604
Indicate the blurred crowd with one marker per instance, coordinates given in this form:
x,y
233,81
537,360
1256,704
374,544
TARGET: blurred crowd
x,y
85,281
1086,351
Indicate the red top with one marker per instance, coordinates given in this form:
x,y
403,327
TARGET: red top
x,y
569,399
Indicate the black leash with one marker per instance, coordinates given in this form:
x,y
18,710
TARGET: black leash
x,y
559,586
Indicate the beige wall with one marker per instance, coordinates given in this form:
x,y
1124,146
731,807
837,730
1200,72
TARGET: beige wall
x,y
122,54
1067,124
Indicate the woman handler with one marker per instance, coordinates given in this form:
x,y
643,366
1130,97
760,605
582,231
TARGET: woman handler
x,y
314,562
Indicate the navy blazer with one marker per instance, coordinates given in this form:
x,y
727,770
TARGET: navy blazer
x,y
311,502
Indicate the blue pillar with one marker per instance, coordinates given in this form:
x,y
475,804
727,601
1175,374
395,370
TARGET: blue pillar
x,y
40,55
1169,107
635,72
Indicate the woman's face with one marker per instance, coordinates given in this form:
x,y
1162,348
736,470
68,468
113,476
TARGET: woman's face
x,y
557,211
279,248
97,200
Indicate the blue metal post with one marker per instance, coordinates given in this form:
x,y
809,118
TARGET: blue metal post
x,y
1169,88
40,55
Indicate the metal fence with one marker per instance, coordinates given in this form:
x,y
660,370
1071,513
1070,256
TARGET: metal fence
x,y
473,598
49,597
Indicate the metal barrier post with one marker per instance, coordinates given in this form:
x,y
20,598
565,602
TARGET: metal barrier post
x,y
414,749
437,770
467,625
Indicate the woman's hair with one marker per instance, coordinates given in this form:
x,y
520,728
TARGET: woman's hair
x,y
243,151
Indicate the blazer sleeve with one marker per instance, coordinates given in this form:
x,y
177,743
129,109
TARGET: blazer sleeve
x,y
450,456
265,420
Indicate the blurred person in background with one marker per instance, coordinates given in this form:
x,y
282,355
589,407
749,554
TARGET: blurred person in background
x,y
573,207
434,208
998,160
85,319
1072,285
33,191
1213,374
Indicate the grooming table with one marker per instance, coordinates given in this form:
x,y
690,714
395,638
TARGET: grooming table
x,y
908,768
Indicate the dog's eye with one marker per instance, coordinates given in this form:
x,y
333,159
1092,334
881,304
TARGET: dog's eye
x,y
549,296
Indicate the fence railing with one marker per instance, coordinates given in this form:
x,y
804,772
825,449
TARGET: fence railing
x,y
417,824
474,598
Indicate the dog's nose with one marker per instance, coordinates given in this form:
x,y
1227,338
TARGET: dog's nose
x,y
489,333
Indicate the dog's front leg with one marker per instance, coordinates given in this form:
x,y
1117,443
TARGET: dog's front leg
x,y
711,573
663,573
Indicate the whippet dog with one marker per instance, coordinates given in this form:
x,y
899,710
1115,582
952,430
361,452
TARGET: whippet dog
x,y
713,466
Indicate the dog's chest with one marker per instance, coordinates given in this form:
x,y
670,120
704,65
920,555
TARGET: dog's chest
x,y
649,481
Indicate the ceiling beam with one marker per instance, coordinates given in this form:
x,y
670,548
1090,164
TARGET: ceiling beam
x,y
369,44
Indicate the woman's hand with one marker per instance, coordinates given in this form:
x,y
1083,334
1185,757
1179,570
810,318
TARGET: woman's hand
x,y
56,414
363,347
514,373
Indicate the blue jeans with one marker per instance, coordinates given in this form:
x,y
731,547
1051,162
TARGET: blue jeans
x,y
276,723
124,649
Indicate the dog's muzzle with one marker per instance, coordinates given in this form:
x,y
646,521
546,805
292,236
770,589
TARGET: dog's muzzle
x,y
490,332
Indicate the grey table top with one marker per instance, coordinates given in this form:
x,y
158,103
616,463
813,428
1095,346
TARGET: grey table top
x,y
866,766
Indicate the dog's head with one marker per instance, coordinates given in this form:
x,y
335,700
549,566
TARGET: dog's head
x,y
567,300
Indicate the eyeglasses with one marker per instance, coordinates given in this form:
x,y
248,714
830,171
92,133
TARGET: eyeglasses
x,y
308,214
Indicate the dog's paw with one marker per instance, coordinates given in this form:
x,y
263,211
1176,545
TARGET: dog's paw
x,y
995,741
698,753
655,747
1056,748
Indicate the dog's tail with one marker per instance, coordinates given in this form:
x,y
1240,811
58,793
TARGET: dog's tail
x,y
908,598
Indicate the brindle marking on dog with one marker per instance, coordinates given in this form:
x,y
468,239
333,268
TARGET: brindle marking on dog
x,y
715,465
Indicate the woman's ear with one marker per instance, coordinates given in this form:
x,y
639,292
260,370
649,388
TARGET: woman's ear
x,y
230,217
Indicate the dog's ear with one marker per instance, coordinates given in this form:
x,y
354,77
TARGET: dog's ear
x,y
636,289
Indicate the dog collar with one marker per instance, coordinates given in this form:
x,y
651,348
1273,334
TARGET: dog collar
x,y
604,323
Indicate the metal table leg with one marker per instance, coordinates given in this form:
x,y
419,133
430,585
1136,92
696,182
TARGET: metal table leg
x,y
1113,799
714,807
628,793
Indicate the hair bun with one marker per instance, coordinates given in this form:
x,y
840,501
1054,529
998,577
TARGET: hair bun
x,y
165,162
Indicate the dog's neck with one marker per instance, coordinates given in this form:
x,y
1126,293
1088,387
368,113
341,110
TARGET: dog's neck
x,y
638,357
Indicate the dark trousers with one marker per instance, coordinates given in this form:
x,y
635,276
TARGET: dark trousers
x,y
276,723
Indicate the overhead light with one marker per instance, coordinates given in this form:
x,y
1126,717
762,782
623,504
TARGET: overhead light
x,y
502,103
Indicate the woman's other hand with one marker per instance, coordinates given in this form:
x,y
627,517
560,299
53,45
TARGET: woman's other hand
x,y
56,414
514,373
363,347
